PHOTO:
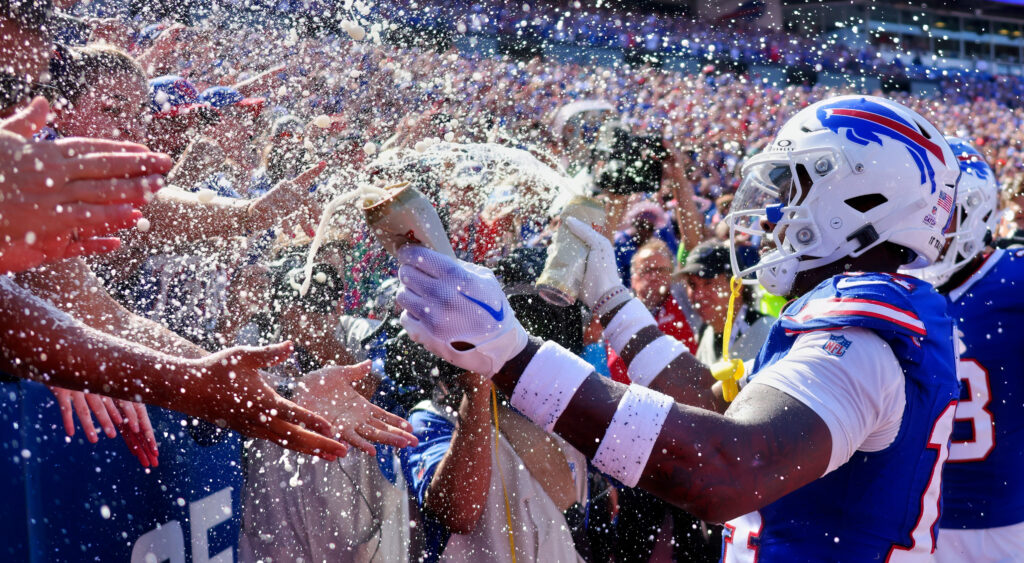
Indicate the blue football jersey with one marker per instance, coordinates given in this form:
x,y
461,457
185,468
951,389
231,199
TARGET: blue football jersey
x,y
880,505
982,480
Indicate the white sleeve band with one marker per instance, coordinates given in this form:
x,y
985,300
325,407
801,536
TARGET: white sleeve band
x,y
548,384
657,355
632,317
629,439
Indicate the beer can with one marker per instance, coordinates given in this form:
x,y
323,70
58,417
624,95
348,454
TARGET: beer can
x,y
406,216
562,278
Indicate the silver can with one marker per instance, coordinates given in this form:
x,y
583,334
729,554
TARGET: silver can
x,y
406,216
562,278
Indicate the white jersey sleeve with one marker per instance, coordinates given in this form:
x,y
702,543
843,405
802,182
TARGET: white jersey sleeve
x,y
852,380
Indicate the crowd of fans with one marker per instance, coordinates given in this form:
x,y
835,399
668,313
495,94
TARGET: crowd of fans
x,y
257,127
607,25
734,39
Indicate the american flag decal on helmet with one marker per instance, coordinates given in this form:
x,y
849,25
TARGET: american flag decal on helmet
x,y
945,202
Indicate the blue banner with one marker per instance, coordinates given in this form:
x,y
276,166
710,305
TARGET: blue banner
x,y
69,500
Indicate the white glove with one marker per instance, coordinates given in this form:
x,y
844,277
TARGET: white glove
x,y
602,274
457,311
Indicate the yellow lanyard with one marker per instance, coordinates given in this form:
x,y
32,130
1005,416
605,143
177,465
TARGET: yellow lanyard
x,y
729,370
501,475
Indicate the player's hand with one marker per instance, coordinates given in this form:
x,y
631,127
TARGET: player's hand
x,y
457,311
227,389
602,274
330,391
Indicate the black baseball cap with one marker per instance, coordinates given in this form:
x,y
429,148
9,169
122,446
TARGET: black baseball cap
x,y
707,260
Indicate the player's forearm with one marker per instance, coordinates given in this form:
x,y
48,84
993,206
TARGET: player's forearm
x,y
658,361
457,495
712,465
697,473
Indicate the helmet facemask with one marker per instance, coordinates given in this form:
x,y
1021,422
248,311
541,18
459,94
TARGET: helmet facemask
x,y
785,191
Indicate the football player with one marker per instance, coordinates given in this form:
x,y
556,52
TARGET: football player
x,y
983,501
833,449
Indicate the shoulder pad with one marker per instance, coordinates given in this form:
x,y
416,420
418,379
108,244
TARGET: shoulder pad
x,y
877,301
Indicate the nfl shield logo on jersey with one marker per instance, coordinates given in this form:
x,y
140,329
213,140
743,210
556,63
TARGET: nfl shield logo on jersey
x,y
837,345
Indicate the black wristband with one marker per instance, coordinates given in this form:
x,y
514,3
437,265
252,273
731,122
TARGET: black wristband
x,y
510,372
607,317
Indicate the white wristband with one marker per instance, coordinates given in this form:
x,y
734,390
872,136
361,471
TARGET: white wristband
x,y
629,439
613,298
548,384
632,317
654,358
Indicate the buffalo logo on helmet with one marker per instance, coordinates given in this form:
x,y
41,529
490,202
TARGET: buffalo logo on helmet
x,y
971,161
866,122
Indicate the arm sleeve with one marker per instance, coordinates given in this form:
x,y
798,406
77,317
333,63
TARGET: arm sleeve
x,y
852,380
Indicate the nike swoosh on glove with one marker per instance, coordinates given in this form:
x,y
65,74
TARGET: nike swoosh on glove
x,y
457,311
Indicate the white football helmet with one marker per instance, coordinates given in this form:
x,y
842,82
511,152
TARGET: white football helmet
x,y
977,197
843,176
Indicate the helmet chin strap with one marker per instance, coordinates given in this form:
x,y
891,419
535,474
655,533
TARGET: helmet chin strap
x,y
779,278
729,370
